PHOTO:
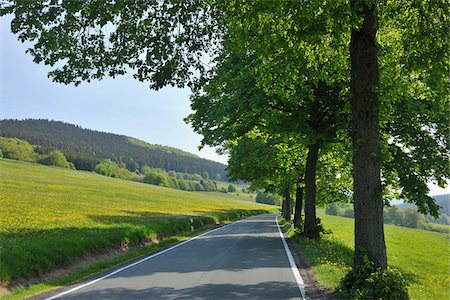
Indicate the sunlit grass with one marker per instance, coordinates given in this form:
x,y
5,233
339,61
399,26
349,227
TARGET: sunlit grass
x,y
51,216
422,256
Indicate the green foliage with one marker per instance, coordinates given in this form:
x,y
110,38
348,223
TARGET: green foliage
x,y
405,217
198,187
409,250
157,178
367,282
86,148
111,169
318,230
268,198
157,51
231,188
182,185
56,158
17,149
81,212
332,209
175,180
260,42
205,175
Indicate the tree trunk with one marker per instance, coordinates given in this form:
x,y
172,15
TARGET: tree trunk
x,y
310,191
369,232
298,205
286,208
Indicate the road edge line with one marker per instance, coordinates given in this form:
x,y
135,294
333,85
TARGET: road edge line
x,y
297,276
135,263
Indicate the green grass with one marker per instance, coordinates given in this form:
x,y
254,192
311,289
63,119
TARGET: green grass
x,y
49,216
423,256
233,196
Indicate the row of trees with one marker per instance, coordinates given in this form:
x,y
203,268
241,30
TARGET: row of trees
x,y
86,148
303,95
405,217
157,176
180,181
267,198
18,149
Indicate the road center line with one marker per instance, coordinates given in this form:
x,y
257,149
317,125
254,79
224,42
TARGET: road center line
x,y
294,269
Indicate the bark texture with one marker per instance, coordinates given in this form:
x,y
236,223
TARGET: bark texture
x,y
298,205
369,231
286,208
310,190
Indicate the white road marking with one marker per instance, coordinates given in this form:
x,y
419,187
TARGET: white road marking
x,y
135,263
294,269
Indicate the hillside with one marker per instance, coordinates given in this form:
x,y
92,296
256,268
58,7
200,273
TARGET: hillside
x,y
442,200
52,216
85,147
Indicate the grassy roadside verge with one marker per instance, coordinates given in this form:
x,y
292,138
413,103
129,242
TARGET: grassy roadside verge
x,y
422,256
21,292
52,217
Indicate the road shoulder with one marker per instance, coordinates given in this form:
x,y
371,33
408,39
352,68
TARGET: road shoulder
x,y
313,289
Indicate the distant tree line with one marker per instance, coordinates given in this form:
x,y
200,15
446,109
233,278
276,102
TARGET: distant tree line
x,y
267,198
404,217
177,180
17,149
86,148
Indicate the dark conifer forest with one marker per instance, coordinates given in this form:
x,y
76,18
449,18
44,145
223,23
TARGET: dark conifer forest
x,y
85,148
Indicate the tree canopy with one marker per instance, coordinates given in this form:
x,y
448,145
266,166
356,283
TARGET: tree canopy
x,y
278,67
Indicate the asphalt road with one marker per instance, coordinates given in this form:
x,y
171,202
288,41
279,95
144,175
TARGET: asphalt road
x,y
244,260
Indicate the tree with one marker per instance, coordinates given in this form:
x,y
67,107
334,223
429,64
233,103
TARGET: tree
x,y
157,178
163,42
17,149
57,158
231,104
262,160
231,188
369,230
332,209
392,215
323,33
183,185
109,168
267,198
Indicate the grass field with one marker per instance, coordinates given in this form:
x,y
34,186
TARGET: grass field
x,y
423,256
49,216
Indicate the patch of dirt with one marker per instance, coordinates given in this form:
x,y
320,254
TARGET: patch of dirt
x,y
313,289
3,291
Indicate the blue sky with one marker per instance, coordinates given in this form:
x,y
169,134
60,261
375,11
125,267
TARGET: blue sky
x,y
122,105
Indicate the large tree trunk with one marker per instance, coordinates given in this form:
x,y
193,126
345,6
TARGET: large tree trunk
x,y
298,205
369,232
286,208
310,191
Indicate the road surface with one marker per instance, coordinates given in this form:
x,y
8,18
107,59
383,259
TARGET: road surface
x,y
244,260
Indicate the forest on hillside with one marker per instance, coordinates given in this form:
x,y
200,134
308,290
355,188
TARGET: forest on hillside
x,y
85,148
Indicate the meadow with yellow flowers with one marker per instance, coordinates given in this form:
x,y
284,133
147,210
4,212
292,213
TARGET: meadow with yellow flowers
x,y
50,217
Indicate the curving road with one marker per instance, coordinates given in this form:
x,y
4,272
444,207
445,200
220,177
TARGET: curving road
x,y
244,260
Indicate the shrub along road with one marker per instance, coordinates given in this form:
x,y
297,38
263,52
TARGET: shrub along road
x,y
244,260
